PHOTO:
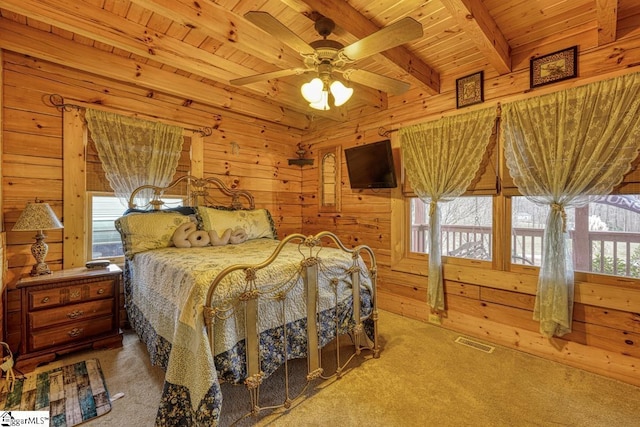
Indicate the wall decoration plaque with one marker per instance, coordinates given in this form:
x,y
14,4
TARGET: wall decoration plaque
x,y
554,67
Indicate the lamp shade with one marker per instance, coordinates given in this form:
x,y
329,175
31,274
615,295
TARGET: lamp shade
x,y
312,91
323,103
340,92
37,216
316,93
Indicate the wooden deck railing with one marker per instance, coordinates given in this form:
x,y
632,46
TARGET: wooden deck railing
x,y
609,252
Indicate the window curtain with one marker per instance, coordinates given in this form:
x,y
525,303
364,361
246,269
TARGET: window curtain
x,y
440,159
562,149
135,152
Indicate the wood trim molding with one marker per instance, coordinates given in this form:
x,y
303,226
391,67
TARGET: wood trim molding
x,y
197,155
74,137
607,13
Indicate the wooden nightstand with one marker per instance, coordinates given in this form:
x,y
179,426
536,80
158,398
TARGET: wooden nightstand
x,y
68,310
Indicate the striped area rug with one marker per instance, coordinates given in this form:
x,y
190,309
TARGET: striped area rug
x,y
72,394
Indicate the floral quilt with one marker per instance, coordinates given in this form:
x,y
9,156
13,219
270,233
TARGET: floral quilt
x,y
166,291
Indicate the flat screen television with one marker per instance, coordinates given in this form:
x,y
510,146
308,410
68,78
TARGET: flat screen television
x,y
371,165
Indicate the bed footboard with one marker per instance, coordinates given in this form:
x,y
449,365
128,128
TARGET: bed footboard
x,y
358,320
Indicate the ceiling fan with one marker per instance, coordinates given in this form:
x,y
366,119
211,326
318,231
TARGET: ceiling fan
x,y
326,56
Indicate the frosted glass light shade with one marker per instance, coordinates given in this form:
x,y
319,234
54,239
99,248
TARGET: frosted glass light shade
x,y
340,92
323,103
312,91
317,94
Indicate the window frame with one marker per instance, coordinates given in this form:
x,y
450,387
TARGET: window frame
x,y
89,225
403,260
446,259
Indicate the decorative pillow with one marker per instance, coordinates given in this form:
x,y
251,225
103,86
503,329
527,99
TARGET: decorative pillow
x,y
219,240
199,239
181,236
237,236
256,223
146,231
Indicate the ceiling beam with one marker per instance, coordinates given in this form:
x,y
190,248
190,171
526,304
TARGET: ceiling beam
x,y
49,47
226,27
102,26
607,13
474,19
348,18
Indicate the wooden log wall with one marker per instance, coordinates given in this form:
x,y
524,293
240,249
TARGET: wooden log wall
x,y
248,154
2,229
485,301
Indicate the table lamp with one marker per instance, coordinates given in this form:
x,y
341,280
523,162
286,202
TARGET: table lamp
x,y
38,216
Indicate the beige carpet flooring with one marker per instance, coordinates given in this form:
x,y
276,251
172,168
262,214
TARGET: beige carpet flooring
x,y
423,378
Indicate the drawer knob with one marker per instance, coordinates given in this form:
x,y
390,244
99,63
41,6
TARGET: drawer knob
x,y
75,332
100,291
45,300
75,314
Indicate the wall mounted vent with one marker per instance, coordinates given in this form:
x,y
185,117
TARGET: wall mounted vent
x,y
475,344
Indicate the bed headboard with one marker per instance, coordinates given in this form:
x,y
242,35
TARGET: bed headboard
x,y
196,192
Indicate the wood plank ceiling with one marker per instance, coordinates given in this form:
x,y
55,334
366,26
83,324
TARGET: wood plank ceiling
x,y
192,49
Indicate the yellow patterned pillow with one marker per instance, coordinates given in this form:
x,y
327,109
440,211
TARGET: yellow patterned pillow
x,y
146,231
256,223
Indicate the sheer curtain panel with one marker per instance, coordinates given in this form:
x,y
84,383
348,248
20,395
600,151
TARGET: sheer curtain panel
x,y
440,159
561,149
134,152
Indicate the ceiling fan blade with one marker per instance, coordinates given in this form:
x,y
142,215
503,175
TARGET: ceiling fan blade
x,y
277,29
267,76
377,81
390,36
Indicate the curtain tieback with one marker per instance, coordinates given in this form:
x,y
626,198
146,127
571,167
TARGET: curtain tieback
x,y
432,207
560,208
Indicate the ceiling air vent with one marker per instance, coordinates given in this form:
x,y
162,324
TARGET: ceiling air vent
x,y
475,344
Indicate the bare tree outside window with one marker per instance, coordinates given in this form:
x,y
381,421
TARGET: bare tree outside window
x,y
604,235
466,227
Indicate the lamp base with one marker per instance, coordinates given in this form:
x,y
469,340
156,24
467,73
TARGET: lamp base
x,y
39,251
39,269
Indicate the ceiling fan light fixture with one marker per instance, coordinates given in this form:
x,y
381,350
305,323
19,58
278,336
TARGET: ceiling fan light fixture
x,y
323,103
313,90
340,92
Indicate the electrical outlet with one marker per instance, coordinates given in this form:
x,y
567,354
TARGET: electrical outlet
x,y
436,319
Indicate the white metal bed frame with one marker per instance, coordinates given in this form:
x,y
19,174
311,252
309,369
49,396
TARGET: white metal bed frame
x,y
199,192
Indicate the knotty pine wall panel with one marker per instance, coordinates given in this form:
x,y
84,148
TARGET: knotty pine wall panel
x,y
490,304
248,154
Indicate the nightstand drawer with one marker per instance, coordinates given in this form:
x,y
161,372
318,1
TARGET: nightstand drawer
x,y
70,313
52,297
68,310
71,332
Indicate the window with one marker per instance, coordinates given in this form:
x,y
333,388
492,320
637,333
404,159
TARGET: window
x,y
104,239
466,224
604,235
